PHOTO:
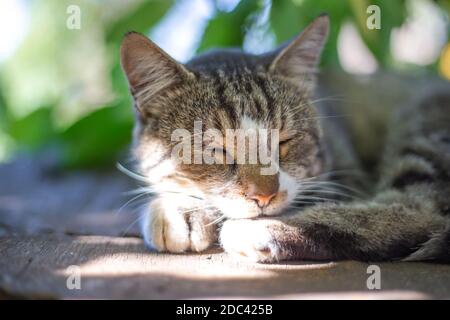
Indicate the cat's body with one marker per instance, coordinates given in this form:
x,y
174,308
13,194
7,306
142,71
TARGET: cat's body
x,y
315,206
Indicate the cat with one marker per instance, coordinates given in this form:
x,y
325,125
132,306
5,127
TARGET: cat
x,y
311,208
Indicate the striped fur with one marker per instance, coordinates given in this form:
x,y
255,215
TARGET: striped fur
x,y
407,217
320,213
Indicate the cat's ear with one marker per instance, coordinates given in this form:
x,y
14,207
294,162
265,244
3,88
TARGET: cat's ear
x,y
148,68
299,59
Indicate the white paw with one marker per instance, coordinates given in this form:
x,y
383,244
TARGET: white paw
x,y
163,232
165,228
252,239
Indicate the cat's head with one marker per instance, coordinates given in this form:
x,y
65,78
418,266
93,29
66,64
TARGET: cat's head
x,y
220,91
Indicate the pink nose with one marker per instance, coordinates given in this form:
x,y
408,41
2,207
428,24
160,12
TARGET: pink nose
x,y
262,200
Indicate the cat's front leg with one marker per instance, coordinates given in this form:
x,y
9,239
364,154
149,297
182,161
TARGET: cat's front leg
x,y
271,240
369,232
169,225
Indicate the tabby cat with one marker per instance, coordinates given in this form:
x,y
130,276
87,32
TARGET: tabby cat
x,y
315,206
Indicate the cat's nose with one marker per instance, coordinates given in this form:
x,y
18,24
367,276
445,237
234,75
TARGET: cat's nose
x,y
262,200
262,194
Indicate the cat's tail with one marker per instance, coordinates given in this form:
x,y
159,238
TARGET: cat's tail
x,y
436,249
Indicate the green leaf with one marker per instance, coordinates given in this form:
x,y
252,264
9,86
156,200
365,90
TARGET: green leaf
x,y
97,139
34,130
227,29
118,79
140,19
289,18
3,111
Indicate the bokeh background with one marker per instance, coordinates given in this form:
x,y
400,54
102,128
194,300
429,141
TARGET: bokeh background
x,y
62,90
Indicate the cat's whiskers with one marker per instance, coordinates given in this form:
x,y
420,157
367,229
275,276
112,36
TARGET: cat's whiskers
x,y
139,190
330,192
327,189
327,98
334,184
131,174
325,117
221,218
302,197
149,189
197,209
299,205
317,189
338,172
129,202
152,191
132,224
302,201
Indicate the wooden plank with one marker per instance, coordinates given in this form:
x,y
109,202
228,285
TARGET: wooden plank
x,y
113,267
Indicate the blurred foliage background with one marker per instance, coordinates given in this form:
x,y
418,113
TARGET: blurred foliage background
x,y
62,89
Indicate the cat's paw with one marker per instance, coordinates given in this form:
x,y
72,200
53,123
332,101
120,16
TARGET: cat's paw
x,y
172,231
253,239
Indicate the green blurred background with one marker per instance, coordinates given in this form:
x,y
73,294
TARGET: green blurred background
x,y
62,89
